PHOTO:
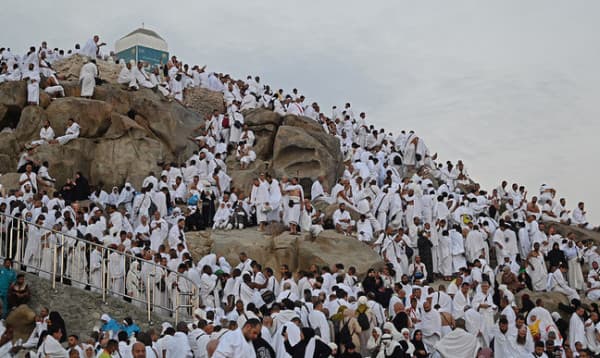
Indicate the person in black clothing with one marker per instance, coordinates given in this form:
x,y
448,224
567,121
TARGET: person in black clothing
x,y
82,187
400,319
417,341
425,245
307,341
55,320
369,284
556,256
207,201
350,351
262,348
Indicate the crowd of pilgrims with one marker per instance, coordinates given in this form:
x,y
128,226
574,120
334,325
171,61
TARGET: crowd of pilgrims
x,y
426,219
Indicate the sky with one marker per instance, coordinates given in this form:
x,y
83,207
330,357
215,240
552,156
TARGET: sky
x,y
509,87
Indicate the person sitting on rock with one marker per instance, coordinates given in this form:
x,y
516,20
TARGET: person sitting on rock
x,y
43,176
46,135
247,135
222,216
342,221
126,77
141,77
579,219
53,88
71,133
245,155
18,292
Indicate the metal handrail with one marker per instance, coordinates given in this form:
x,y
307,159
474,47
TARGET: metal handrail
x,y
14,240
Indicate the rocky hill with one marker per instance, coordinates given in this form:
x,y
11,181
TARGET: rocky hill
x,y
125,134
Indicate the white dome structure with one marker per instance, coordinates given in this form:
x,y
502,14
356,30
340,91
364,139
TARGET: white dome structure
x,y
143,45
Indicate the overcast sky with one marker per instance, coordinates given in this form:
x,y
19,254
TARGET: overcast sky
x,y
510,87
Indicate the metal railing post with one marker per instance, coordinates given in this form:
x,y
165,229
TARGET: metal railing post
x,y
148,302
103,277
18,243
10,240
2,237
54,254
177,301
62,258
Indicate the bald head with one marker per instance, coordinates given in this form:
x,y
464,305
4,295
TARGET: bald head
x,y
138,350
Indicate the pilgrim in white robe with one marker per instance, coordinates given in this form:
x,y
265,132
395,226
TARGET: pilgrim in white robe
x,y
577,331
487,313
51,348
116,270
159,230
459,302
557,283
445,255
134,285
127,78
221,218
234,345
293,211
458,251
71,133
431,326
458,343
96,270
87,79
574,274
474,245
538,272
475,324
33,250
77,266
504,343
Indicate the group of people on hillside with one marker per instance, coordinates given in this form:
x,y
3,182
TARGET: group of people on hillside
x,y
427,219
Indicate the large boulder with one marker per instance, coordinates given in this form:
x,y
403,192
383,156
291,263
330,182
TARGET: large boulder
x,y
242,178
172,123
70,67
10,181
125,159
330,248
121,125
93,116
302,122
13,94
31,121
66,160
307,155
203,101
9,145
299,252
261,116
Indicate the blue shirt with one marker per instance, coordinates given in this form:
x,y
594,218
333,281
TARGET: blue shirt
x,y
7,277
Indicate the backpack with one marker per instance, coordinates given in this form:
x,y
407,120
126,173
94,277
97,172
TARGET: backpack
x,y
363,321
345,337
225,122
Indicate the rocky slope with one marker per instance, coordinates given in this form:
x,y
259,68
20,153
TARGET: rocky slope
x,y
80,309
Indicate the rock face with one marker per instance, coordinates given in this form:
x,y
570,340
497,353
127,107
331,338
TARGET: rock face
x,y
81,309
125,134
292,146
299,252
